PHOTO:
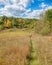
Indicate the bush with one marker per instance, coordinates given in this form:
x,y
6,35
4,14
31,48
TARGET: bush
x,y
38,26
45,30
42,27
1,27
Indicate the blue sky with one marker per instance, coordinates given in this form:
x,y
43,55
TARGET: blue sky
x,y
24,8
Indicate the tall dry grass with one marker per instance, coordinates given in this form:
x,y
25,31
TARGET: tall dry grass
x,y
14,49
44,49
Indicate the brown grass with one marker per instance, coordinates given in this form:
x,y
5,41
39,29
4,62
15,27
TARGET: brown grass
x,y
44,49
14,48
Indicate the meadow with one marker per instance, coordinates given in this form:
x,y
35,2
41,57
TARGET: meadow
x,y
26,41
15,48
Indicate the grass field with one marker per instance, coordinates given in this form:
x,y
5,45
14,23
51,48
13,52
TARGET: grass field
x,y
15,46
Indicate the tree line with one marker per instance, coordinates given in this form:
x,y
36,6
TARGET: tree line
x,y
42,25
12,22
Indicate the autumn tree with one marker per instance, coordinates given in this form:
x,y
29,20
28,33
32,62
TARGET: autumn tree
x,y
7,24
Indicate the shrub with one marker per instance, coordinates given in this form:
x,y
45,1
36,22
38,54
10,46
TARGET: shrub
x,y
38,26
45,30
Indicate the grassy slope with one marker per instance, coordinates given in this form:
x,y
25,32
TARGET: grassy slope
x,y
14,47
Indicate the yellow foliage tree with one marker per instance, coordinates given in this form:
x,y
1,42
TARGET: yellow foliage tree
x,y
20,20
7,24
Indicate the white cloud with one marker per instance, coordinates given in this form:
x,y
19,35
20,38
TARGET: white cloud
x,y
43,5
1,11
14,10
19,2
5,2
17,8
14,7
49,7
34,14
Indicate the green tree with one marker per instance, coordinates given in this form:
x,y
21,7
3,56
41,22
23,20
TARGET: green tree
x,y
44,25
48,15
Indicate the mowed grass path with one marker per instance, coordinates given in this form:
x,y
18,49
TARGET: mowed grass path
x,y
18,32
